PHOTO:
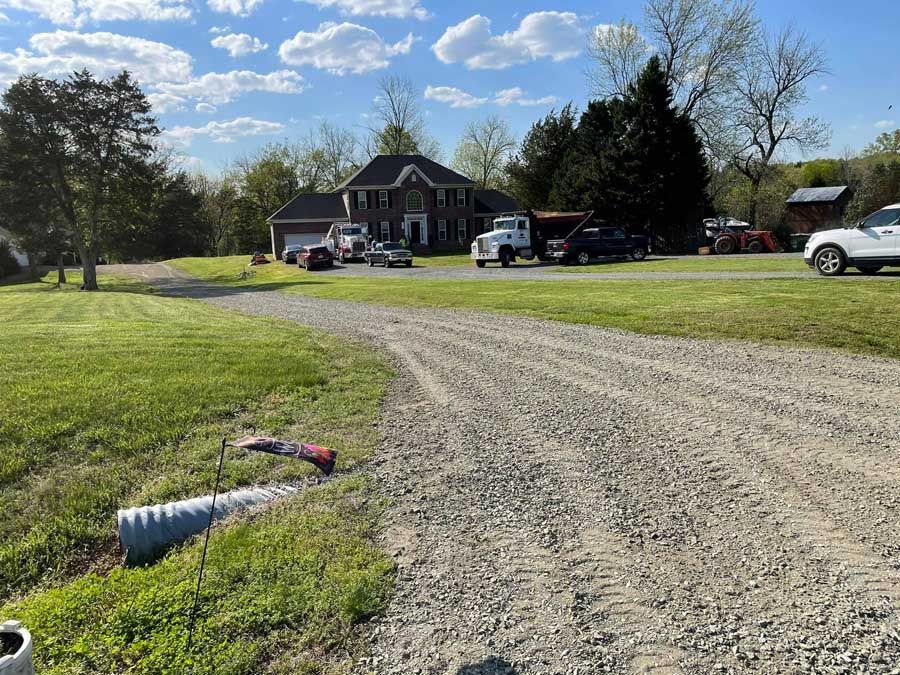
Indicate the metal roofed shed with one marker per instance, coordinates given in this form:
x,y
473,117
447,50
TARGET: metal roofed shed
x,y
818,208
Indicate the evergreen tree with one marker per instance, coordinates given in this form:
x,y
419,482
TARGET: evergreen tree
x,y
543,151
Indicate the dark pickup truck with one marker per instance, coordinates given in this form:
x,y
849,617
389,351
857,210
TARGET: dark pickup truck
x,y
597,242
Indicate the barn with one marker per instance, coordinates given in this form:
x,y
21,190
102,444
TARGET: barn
x,y
814,209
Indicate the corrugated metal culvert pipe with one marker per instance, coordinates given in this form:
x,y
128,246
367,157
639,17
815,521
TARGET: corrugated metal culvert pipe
x,y
15,650
147,531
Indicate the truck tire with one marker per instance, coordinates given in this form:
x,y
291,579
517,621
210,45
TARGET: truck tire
x,y
726,245
583,257
479,263
504,258
639,253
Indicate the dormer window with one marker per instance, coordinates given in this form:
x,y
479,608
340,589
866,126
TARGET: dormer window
x,y
414,177
414,200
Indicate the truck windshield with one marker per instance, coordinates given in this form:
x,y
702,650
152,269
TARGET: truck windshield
x,y
509,224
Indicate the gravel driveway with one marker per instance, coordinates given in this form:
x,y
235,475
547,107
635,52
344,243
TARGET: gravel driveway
x,y
567,499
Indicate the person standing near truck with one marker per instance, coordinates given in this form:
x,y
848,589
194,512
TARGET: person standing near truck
x,y
404,242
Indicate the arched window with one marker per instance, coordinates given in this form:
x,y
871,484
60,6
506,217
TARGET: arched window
x,y
414,201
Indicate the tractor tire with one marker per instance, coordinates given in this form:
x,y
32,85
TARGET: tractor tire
x,y
504,259
480,263
583,257
869,271
726,245
755,246
830,262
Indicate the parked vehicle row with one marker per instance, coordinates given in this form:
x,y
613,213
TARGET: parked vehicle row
x,y
388,254
598,242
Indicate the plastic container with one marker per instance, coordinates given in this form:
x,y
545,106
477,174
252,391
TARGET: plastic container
x,y
15,647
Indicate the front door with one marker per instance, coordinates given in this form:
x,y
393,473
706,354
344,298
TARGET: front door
x,y
415,227
877,235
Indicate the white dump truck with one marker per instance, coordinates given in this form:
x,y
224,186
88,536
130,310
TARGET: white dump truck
x,y
347,242
525,236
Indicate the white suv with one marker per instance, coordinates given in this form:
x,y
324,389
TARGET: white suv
x,y
872,244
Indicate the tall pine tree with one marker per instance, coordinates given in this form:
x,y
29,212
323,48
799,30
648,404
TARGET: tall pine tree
x,y
637,162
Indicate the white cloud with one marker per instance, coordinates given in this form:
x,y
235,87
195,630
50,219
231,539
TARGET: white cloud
x,y
3,18
455,98
554,35
239,44
163,103
516,96
400,9
236,7
104,54
205,108
78,12
884,124
221,132
218,30
824,88
225,87
342,48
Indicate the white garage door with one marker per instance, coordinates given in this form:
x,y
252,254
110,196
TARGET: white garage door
x,y
303,239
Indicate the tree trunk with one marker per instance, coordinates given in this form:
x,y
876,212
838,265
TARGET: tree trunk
x,y
754,197
88,267
60,270
33,270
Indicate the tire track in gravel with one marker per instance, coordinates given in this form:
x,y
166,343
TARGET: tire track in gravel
x,y
567,499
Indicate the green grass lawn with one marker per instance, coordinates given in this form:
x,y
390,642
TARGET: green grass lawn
x,y
119,398
815,312
706,263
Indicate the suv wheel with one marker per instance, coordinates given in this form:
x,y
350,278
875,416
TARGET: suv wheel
x,y
639,253
869,270
830,262
583,258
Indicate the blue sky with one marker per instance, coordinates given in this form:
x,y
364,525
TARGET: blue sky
x,y
229,75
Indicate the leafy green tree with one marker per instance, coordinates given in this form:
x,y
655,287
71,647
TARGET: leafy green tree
x,y
823,173
638,161
879,187
542,152
887,143
82,140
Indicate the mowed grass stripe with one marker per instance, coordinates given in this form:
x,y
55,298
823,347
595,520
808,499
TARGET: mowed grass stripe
x,y
861,316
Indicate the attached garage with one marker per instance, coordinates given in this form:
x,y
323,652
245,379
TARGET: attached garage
x,y
305,220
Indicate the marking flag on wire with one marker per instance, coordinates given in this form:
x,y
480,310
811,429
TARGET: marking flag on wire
x,y
322,458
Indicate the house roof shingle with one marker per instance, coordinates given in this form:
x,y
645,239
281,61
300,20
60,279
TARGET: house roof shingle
x,y
817,195
384,170
312,206
494,201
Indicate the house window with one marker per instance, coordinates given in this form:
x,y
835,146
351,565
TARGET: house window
x,y
385,231
488,225
442,230
414,177
382,199
461,229
441,198
364,227
461,197
414,201
362,200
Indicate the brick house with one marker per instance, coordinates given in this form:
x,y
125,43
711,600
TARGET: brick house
x,y
395,195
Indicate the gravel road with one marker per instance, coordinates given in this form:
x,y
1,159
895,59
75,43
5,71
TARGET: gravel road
x,y
567,499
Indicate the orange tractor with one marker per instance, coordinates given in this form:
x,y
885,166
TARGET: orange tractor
x,y
733,236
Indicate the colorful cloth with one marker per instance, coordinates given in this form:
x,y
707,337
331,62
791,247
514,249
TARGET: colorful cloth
x,y
322,458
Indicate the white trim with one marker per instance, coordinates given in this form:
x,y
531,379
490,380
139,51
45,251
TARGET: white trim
x,y
272,234
387,200
442,228
408,170
441,197
423,232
